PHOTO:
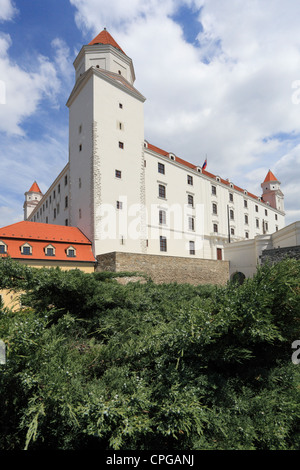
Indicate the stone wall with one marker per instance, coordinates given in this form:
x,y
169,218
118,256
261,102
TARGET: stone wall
x,y
166,269
278,254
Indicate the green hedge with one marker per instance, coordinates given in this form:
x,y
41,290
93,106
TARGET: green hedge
x,y
92,364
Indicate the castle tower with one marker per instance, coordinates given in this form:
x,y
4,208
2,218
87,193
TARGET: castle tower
x,y
272,192
106,145
32,198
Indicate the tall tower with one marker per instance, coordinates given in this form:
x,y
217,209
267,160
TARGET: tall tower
x,y
106,146
32,198
272,192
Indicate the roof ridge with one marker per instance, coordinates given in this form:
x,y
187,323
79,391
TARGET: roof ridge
x,y
204,172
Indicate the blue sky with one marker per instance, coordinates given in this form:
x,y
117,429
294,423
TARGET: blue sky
x,y
221,79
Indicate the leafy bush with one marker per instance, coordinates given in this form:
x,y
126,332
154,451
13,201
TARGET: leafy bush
x,y
92,364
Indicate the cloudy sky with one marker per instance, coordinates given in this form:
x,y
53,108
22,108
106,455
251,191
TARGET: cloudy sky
x,y
221,79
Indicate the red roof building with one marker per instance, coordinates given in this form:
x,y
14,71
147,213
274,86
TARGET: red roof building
x,y
42,244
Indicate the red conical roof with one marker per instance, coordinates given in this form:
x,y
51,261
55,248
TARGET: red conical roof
x,y
35,188
105,38
270,177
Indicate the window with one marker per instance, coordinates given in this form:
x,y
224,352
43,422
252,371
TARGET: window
x,y
256,208
120,105
46,220
192,247
26,249
3,248
47,204
119,205
71,252
213,190
54,213
118,174
79,213
232,231
230,197
58,189
80,129
190,180
121,145
257,223
80,147
276,217
66,222
79,182
214,208
66,180
161,168
66,202
215,226
162,217
245,203
49,250
191,223
163,243
190,200
231,214
246,234
162,191
266,212
246,219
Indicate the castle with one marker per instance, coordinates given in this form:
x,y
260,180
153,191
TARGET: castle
x,y
129,196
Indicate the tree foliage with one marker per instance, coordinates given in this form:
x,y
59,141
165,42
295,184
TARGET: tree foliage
x,y
92,364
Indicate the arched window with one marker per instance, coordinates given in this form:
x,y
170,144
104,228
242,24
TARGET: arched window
x,y
26,249
71,252
49,250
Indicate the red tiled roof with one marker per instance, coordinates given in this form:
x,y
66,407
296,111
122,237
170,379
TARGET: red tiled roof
x,y
194,167
270,177
105,38
35,188
40,235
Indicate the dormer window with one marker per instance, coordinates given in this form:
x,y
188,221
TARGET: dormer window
x,y
71,252
26,249
49,250
3,248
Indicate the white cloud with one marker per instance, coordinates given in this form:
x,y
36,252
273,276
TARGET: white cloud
x,y
29,94
7,10
24,89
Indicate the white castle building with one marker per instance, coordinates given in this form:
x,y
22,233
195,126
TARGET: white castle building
x,y
127,195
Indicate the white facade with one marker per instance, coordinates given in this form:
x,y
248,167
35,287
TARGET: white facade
x,y
127,195
244,256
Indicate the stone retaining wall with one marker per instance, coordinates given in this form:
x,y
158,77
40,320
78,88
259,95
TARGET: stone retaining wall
x,y
278,254
166,269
